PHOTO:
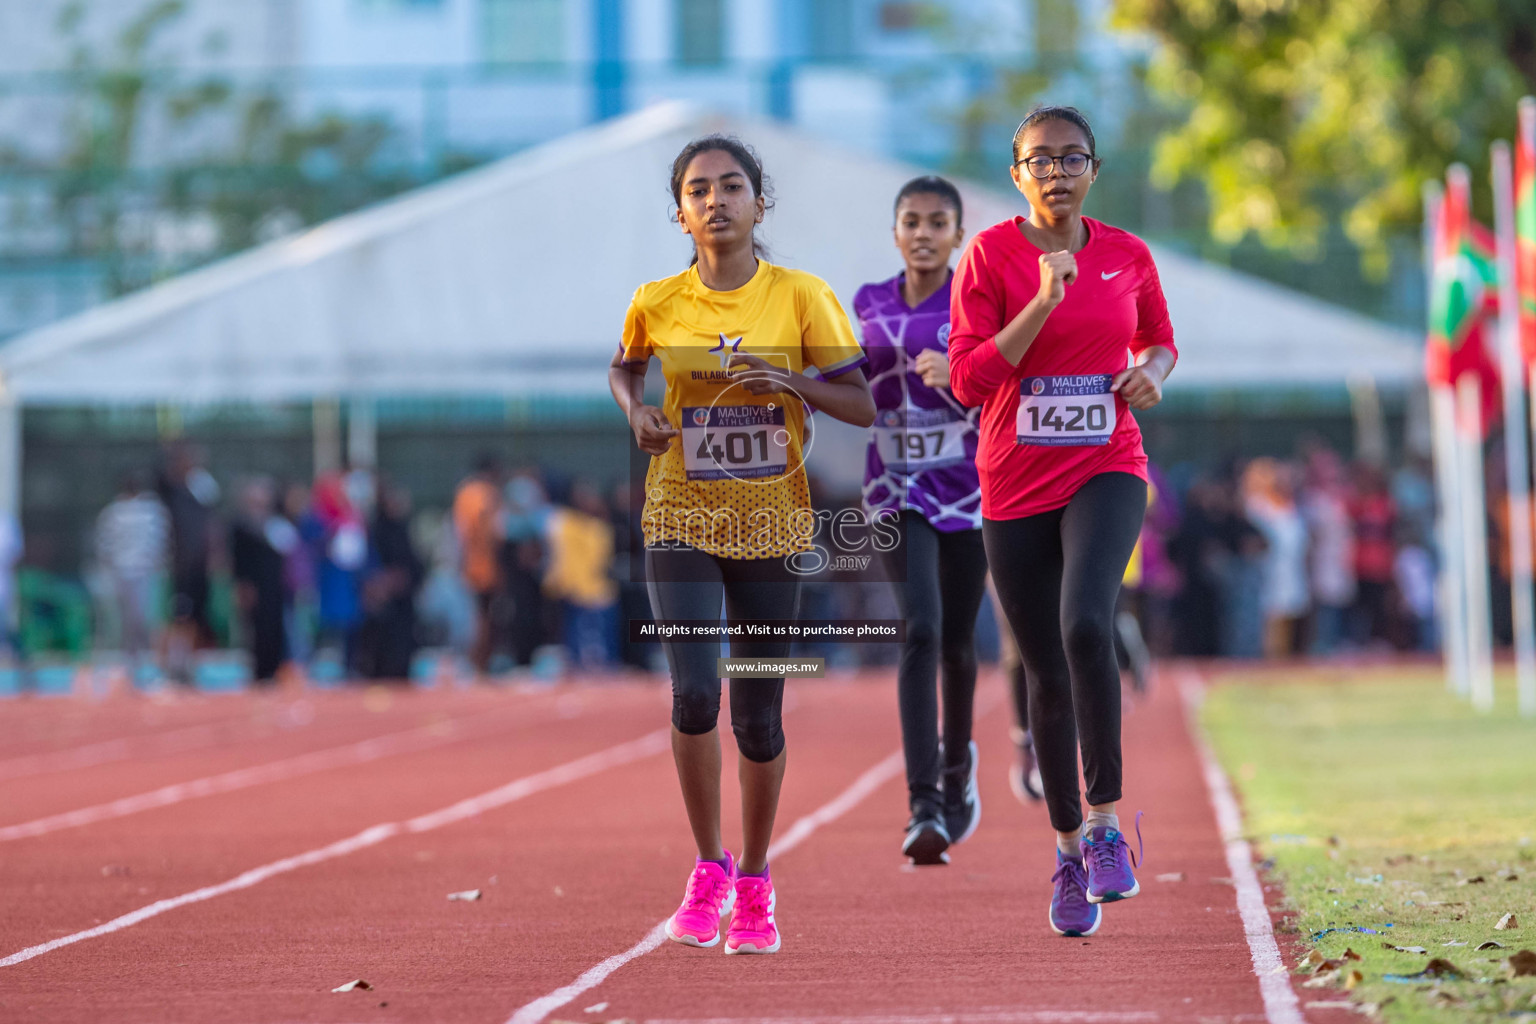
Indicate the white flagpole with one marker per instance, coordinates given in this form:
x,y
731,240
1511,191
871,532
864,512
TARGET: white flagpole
x,y
1474,518
1516,439
1442,423
1527,134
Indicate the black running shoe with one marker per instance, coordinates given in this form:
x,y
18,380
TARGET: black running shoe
x,y
927,838
962,801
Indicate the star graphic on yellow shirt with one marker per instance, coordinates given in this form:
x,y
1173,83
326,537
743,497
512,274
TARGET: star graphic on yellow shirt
x,y
727,350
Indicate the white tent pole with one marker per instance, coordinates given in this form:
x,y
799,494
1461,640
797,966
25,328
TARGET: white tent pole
x,y
1474,517
362,433
1452,577
327,434
10,453
1516,439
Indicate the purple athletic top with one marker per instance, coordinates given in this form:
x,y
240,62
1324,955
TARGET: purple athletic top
x,y
922,447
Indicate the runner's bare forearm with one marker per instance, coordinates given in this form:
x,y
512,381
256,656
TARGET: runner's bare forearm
x,y
627,385
1020,333
845,397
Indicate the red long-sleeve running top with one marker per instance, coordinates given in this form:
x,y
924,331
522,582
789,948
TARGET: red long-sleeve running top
x,y
1111,313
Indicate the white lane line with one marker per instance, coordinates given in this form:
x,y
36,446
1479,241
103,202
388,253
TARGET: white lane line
x,y
797,833
984,1016
1280,1003
517,789
106,751
406,741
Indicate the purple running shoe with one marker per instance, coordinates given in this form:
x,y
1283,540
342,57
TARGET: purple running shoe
x,y
1071,912
1109,861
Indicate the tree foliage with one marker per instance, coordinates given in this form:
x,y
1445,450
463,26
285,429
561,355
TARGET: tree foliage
x,y
162,169
1301,113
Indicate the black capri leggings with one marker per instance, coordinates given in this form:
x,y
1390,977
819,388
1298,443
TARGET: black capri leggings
x,y
686,583
1057,576
945,576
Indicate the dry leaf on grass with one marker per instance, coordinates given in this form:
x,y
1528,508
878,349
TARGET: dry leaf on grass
x,y
1490,944
466,895
1507,923
1350,954
1406,949
1436,968
1521,964
1352,979
1312,960
1474,880
1453,942
353,986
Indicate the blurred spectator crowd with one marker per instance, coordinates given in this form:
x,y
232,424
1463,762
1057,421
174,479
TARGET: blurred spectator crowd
x,y
1285,557
342,578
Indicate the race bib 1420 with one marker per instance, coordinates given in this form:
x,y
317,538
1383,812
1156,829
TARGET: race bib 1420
x,y
1072,410
734,442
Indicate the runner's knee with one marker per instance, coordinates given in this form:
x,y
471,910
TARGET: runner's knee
x,y
696,710
922,636
759,734
1089,638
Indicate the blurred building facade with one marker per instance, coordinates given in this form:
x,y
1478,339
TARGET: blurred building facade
x,y
139,138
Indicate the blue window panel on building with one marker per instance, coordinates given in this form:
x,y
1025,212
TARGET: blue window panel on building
x,y
608,59
700,32
397,6
524,31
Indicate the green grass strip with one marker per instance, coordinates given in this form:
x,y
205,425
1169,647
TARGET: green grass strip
x,y
1386,804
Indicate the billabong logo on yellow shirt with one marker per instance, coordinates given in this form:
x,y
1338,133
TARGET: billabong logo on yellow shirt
x,y
727,350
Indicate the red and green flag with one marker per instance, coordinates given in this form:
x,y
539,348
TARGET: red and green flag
x,y
1462,290
1525,226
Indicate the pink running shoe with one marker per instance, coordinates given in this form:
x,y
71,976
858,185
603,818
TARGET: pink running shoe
x,y
711,894
752,928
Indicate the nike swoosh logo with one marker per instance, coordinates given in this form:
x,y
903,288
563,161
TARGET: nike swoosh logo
x,y
1115,274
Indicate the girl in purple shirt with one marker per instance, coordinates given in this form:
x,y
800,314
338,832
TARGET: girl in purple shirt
x,y
920,472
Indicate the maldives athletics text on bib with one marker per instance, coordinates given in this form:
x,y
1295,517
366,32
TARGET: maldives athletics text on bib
x,y
913,440
1073,410
734,442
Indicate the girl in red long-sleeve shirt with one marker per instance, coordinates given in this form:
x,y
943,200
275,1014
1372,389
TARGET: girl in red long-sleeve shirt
x,y
1059,329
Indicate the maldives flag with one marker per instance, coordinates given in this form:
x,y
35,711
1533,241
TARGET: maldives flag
x,y
1462,290
1525,226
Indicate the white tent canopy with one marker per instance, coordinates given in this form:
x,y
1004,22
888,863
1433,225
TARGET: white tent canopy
x,y
514,279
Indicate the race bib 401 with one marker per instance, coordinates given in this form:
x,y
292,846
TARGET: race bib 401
x,y
1073,410
734,442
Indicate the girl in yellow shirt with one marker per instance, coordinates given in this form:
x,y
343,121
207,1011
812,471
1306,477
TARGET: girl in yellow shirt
x,y
727,511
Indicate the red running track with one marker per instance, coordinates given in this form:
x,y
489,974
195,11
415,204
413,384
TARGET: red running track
x,y
580,848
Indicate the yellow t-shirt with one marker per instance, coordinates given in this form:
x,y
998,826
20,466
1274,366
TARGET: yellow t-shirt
x,y
580,556
733,483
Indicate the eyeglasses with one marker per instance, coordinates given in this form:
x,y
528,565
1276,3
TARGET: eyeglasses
x,y
1073,164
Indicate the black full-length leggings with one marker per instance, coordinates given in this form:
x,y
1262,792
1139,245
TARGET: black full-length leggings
x,y
686,583
1058,575
939,579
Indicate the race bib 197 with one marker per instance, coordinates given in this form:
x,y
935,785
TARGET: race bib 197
x,y
917,439
734,442
1074,410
